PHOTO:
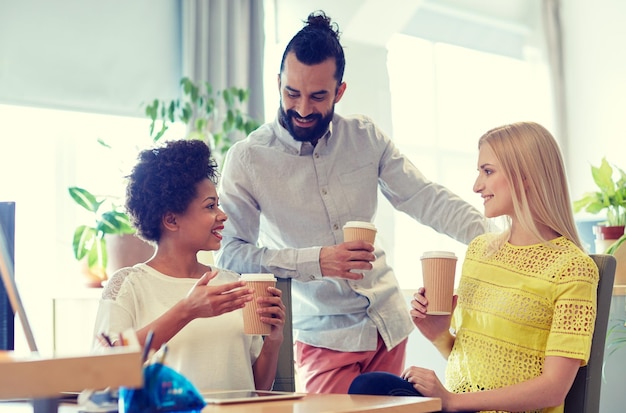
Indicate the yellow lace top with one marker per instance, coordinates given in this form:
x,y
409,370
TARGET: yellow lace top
x,y
516,307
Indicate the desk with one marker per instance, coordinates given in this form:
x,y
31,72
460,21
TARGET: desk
x,y
334,403
313,403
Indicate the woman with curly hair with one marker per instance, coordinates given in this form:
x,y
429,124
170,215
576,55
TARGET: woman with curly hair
x,y
172,201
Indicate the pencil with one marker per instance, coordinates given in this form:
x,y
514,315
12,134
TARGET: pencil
x,y
163,353
146,346
106,339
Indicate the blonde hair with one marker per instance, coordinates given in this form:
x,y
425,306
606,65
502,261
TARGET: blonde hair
x,y
532,163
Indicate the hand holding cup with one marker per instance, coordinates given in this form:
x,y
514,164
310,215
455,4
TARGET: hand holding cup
x,y
252,323
438,271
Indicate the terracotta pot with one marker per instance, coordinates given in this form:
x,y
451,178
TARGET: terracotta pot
x,y
606,235
93,277
126,251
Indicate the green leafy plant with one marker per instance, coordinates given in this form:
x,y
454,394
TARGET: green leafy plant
x,y
610,197
214,116
88,241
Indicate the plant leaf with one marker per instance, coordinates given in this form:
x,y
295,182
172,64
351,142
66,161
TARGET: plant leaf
x,y
84,198
115,222
603,177
83,239
97,256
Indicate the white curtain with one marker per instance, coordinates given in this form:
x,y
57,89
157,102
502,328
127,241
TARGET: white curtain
x,y
554,44
223,44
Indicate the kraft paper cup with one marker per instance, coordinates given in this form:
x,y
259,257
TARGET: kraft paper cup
x,y
359,230
438,270
252,323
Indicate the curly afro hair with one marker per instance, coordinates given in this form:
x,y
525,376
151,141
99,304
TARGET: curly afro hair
x,y
164,180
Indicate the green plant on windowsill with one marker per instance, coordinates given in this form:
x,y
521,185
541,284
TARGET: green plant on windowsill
x,y
610,196
89,241
214,116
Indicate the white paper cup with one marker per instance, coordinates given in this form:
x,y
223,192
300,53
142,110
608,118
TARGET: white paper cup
x,y
252,323
438,271
359,230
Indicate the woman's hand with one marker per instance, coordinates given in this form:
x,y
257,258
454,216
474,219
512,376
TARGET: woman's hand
x,y
431,326
205,300
272,311
426,382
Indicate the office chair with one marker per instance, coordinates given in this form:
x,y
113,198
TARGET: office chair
x,y
285,377
584,396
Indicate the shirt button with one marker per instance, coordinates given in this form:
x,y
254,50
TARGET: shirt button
x,y
335,227
324,192
311,277
317,155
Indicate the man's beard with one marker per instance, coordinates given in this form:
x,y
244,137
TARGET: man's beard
x,y
311,134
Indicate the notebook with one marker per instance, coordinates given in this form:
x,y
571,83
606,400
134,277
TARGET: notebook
x,y
243,396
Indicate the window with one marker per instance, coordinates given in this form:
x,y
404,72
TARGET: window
x,y
443,98
42,153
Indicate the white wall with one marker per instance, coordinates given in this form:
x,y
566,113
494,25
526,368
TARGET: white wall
x,y
89,55
595,69
594,37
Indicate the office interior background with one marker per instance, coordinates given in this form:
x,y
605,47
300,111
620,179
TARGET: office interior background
x,y
434,74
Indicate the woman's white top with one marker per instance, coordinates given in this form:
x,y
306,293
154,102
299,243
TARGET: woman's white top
x,y
213,353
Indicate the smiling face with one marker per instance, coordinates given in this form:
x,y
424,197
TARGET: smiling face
x,y
201,224
308,95
493,185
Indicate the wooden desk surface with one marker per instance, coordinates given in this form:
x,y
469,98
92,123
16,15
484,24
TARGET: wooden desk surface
x,y
312,403
333,403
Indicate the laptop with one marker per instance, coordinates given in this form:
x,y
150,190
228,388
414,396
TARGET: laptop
x,y
246,396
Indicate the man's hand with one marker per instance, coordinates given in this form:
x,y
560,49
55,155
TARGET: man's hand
x,y
338,260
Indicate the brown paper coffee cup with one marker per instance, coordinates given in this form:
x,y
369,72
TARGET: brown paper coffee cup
x,y
359,230
252,323
438,270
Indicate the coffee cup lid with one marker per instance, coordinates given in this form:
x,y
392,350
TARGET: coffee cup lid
x,y
258,277
438,254
360,224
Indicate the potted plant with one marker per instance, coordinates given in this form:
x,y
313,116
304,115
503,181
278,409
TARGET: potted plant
x,y
89,243
609,198
215,116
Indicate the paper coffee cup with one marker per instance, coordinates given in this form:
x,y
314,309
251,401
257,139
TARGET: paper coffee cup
x,y
359,230
438,270
252,323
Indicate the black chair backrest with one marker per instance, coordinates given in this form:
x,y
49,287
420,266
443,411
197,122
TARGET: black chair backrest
x,y
584,396
285,376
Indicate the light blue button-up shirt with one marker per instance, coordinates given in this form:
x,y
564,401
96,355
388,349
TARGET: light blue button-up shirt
x,y
287,199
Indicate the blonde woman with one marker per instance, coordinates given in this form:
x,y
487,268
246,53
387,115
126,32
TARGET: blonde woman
x,y
526,302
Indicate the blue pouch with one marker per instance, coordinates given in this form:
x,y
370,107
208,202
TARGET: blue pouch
x,y
164,390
